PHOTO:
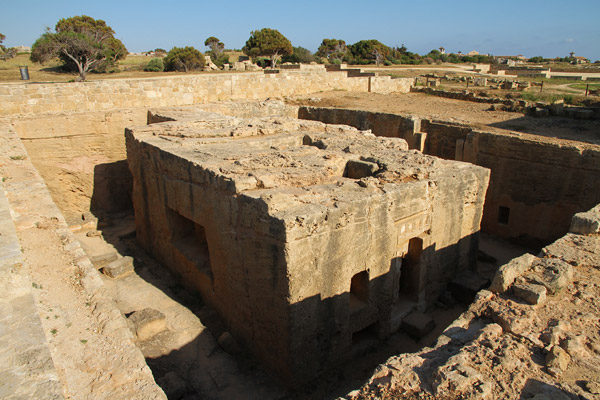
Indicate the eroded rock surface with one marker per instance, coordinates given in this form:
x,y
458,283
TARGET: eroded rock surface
x,y
513,343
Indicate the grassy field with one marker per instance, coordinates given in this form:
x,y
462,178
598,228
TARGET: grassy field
x,y
130,67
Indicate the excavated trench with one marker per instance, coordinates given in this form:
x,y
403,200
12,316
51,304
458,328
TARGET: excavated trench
x,y
82,159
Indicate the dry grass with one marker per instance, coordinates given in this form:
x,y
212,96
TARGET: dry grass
x,y
130,67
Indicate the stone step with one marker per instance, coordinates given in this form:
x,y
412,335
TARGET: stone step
x,y
119,268
418,324
99,252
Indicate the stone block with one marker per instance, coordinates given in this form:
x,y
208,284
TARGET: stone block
x,y
557,108
586,223
148,323
540,112
119,268
466,285
507,273
592,387
418,324
531,293
99,252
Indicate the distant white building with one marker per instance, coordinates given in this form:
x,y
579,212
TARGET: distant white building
x,y
23,49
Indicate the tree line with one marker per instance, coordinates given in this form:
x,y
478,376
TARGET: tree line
x,y
85,44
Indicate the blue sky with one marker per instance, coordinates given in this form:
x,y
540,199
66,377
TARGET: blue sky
x,y
530,27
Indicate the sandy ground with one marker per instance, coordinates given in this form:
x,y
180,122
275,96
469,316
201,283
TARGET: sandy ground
x,y
477,115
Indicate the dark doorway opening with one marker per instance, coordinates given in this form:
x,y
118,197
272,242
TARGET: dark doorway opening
x,y
359,291
410,271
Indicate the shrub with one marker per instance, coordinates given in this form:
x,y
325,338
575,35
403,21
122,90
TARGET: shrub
x,y
218,59
568,99
155,65
183,59
262,62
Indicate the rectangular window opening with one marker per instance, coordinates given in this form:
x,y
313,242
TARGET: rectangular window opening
x,y
503,215
189,238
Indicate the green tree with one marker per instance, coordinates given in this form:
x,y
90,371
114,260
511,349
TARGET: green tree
x,y
183,59
215,45
269,43
434,54
334,50
81,42
367,51
115,51
299,55
2,37
216,51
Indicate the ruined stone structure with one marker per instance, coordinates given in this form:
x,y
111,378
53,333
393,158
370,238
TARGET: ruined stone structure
x,y
536,183
307,238
184,90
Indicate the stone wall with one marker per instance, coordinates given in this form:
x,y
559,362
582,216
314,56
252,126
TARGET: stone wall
x,y
536,183
121,94
81,157
84,347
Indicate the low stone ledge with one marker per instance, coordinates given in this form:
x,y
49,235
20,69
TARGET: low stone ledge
x,y
133,378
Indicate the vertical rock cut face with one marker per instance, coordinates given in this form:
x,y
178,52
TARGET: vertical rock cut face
x,y
309,239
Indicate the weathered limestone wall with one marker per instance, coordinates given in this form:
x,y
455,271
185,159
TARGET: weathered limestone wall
x,y
539,183
74,131
86,350
551,300
81,157
25,99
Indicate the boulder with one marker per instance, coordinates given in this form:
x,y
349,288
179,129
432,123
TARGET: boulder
x,y
507,273
586,223
148,323
529,292
557,361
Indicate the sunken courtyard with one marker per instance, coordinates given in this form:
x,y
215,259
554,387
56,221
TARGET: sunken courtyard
x,y
226,236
